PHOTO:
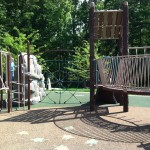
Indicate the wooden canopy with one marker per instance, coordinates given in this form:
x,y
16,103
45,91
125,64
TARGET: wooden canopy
x,y
108,24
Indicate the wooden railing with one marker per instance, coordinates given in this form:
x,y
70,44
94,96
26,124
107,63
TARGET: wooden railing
x,y
130,72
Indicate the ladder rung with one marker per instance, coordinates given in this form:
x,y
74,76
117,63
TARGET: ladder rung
x,y
28,73
17,83
18,92
14,99
4,88
13,91
17,102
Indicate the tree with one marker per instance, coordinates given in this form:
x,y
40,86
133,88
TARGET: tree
x,y
17,43
50,18
80,63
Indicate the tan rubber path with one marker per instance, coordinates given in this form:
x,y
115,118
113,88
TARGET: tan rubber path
x,y
76,129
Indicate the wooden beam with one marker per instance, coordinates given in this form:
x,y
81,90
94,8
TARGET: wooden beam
x,y
28,57
125,28
20,80
125,102
8,81
91,23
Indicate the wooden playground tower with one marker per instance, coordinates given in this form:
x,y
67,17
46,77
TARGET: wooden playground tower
x,y
108,24
8,85
124,74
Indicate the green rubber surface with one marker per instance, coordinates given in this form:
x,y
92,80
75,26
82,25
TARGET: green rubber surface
x,y
79,98
75,98
139,101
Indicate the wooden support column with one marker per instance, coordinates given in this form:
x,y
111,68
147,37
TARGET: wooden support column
x,y
20,80
125,46
28,55
125,102
125,28
8,82
91,24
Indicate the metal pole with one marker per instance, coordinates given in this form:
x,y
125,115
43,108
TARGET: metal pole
x,y
8,81
91,24
28,54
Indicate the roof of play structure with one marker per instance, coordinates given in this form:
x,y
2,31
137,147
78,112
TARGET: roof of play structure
x,y
108,24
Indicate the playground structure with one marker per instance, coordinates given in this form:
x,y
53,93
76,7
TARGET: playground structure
x,y
117,78
5,86
37,85
12,91
27,86
119,75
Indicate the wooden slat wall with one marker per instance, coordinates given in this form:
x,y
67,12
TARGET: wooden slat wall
x,y
101,20
119,23
108,24
113,24
105,24
108,32
96,24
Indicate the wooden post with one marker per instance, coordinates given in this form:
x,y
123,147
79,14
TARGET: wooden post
x,y
91,25
8,81
125,46
125,28
125,102
20,81
28,54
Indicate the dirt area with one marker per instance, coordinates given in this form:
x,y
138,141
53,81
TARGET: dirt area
x,y
76,128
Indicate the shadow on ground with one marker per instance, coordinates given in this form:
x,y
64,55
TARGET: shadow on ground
x,y
82,122
146,146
